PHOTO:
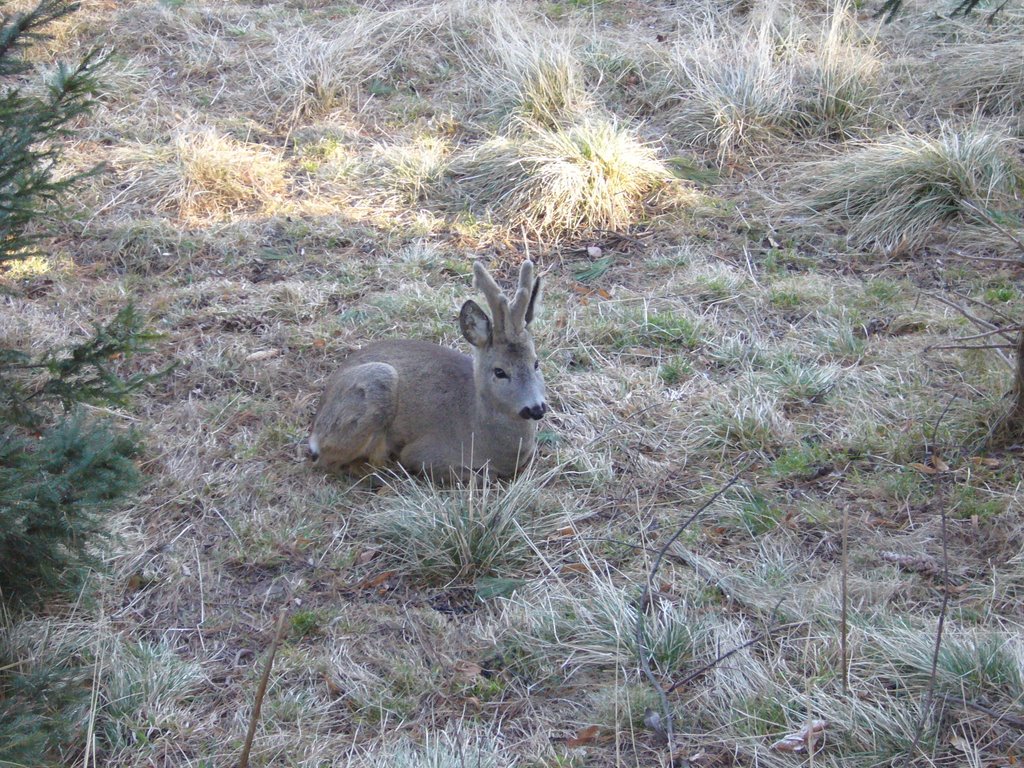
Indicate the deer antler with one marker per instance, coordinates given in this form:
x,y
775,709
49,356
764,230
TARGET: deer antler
x,y
496,299
524,293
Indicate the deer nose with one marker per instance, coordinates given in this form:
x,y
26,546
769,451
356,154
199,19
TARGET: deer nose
x,y
535,412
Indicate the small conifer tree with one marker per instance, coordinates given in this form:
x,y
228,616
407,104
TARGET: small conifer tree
x,y
59,470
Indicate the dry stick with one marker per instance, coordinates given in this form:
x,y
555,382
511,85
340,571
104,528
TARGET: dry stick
x,y
1000,717
641,645
243,761
1007,345
718,660
991,221
843,629
926,708
985,334
977,321
989,307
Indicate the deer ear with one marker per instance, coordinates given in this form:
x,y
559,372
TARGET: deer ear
x,y
475,324
534,303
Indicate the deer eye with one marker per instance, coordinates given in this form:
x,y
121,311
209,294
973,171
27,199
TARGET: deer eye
x,y
536,365
500,373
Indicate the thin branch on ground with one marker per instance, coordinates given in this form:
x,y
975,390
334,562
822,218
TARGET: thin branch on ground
x,y
985,324
994,310
641,638
718,660
1005,718
989,219
1007,345
929,696
261,691
985,334
843,605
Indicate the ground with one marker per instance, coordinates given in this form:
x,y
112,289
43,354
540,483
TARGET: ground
x,y
762,228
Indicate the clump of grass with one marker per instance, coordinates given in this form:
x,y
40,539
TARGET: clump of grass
x,y
971,663
595,625
317,70
990,74
451,748
745,419
894,195
838,82
413,171
799,382
463,532
558,182
204,174
736,90
538,76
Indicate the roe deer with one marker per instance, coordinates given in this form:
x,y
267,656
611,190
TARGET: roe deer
x,y
433,409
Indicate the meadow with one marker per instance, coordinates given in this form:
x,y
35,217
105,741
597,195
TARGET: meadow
x,y
782,258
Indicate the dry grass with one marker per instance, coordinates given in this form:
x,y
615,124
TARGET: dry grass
x,y
204,174
895,194
989,75
293,179
736,88
554,182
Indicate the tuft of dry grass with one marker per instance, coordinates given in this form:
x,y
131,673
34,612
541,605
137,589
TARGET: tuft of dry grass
x,y
205,174
415,171
733,94
737,89
562,182
894,195
464,532
990,75
839,78
533,73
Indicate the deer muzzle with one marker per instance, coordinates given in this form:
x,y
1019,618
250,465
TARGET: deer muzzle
x,y
535,412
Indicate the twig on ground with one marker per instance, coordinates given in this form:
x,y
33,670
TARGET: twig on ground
x,y
1007,345
991,221
985,324
843,605
1000,717
989,307
243,761
718,660
929,696
641,638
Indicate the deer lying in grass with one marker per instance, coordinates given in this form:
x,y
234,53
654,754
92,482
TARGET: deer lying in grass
x,y
435,410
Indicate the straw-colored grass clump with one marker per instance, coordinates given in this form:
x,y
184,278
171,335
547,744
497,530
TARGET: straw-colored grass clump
x,y
739,89
563,181
894,195
464,532
533,73
204,174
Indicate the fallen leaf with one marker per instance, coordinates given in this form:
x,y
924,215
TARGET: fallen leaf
x,y
939,464
263,354
924,469
576,568
566,531
366,556
985,461
808,736
583,737
376,581
319,343
467,671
